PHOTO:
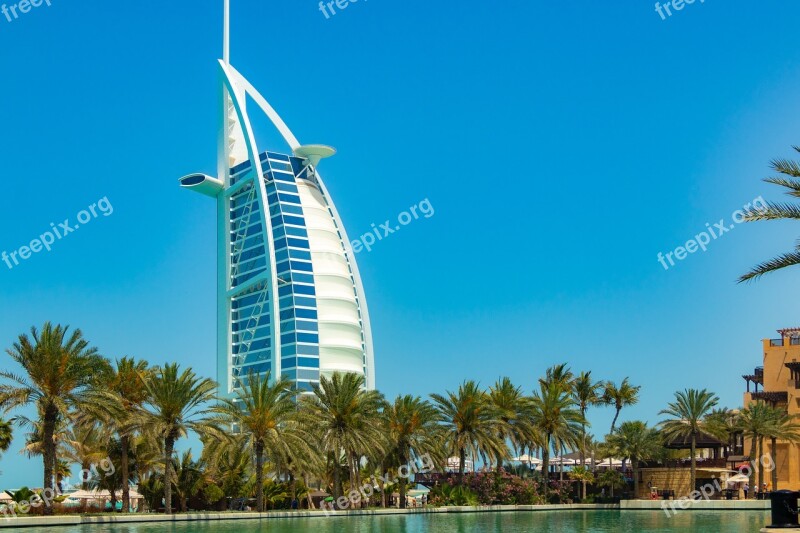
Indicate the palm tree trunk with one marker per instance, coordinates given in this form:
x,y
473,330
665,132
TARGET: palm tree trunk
x,y
381,486
337,478
753,465
49,450
293,489
774,452
355,484
126,490
308,492
169,446
760,467
350,475
546,466
694,463
583,440
403,480
260,477
462,457
614,422
635,470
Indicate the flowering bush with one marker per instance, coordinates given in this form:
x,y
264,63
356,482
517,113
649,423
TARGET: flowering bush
x,y
497,488
560,492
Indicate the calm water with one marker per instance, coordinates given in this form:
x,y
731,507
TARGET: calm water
x,y
528,522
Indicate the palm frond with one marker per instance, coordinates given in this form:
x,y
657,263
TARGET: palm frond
x,y
782,261
773,211
786,166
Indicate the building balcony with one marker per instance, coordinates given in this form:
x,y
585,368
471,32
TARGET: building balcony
x,y
756,377
794,384
776,342
772,397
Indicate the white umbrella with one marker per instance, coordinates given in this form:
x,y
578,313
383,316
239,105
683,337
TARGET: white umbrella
x,y
610,462
738,478
5,497
563,461
100,495
527,459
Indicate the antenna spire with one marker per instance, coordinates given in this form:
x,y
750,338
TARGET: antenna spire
x,y
226,43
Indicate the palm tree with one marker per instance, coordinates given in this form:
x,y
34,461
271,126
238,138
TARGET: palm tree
x,y
152,489
125,383
755,421
783,427
688,413
413,432
636,442
264,413
559,374
584,476
471,425
620,396
789,179
188,478
274,492
346,420
562,376
513,409
612,479
586,393
176,403
6,435
111,480
722,423
229,463
554,415
61,369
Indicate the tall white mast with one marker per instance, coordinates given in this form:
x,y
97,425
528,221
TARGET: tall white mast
x,y
226,34
233,149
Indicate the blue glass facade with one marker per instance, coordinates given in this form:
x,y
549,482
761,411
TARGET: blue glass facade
x,y
252,327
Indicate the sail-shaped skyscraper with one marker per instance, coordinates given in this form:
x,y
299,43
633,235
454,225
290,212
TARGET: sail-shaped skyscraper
x,y
290,298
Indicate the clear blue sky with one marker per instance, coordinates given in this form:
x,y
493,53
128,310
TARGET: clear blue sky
x,y
562,144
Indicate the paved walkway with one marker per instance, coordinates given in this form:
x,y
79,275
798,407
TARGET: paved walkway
x,y
627,505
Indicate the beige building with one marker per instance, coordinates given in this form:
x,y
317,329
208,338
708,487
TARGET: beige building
x,y
777,382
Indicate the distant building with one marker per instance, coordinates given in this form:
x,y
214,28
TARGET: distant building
x,y
779,382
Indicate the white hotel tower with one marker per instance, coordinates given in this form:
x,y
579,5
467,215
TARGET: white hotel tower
x,y
290,299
